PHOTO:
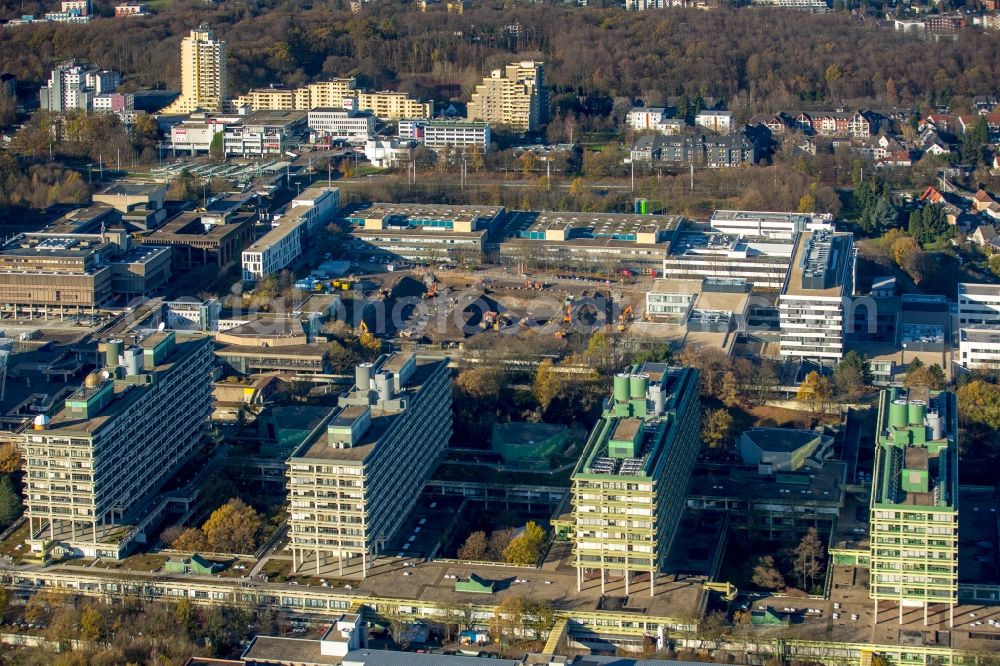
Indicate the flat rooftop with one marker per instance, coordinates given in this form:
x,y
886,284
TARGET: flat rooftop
x,y
188,226
759,215
280,650
977,626
977,289
822,486
990,334
286,226
426,211
820,258
610,226
135,189
554,582
781,440
317,445
657,431
125,394
272,117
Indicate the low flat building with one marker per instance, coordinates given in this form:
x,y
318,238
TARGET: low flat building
x,y
354,480
781,507
588,241
55,272
815,297
700,305
346,633
423,233
812,6
264,133
705,254
773,225
248,357
141,202
196,135
328,123
389,153
276,250
197,241
436,134
131,9
784,449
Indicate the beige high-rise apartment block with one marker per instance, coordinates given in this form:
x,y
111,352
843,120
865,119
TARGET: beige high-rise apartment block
x,y
513,96
315,95
203,73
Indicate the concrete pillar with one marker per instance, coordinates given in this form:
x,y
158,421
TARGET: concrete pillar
x,y
627,575
951,615
652,582
295,565
926,605
603,573
317,559
901,611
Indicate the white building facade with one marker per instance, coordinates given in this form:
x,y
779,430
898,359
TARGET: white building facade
x,y
332,123
978,304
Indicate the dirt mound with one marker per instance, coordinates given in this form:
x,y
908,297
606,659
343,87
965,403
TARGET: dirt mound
x,y
406,286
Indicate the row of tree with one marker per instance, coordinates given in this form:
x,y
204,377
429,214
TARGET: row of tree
x,y
505,545
853,376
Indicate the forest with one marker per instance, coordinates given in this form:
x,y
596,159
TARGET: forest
x,y
753,59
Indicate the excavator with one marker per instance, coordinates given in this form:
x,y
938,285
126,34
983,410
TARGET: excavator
x,y
624,318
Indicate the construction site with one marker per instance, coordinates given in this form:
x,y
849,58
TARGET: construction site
x,y
448,307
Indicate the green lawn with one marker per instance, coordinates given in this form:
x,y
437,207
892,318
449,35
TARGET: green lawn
x,y
9,546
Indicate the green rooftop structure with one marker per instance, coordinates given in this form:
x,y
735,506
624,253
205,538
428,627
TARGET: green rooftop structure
x,y
195,564
629,485
475,584
529,444
914,501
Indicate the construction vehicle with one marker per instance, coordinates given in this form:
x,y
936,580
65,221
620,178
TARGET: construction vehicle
x,y
432,291
624,318
727,590
568,305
